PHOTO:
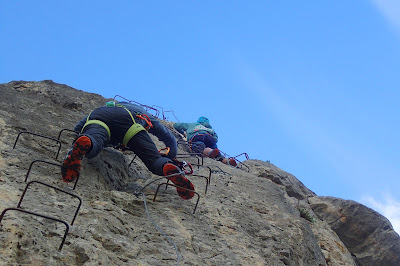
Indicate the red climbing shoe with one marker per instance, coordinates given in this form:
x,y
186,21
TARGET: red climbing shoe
x,y
72,164
214,153
232,162
179,180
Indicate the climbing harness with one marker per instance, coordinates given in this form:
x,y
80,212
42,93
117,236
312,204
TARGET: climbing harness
x,y
146,118
131,132
164,151
97,122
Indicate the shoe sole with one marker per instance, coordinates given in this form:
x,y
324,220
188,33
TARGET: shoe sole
x,y
214,153
232,162
180,181
72,164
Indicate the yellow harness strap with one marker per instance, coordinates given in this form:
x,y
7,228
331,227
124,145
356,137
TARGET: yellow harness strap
x,y
97,122
132,131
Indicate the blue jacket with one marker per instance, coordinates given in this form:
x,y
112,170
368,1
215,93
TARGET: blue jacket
x,y
193,129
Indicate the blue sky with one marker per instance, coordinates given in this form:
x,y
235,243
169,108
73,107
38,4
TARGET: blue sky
x,y
311,86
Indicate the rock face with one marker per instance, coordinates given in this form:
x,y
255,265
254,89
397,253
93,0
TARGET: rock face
x,y
366,234
256,215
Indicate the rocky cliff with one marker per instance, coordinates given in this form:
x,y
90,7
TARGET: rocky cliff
x,y
254,215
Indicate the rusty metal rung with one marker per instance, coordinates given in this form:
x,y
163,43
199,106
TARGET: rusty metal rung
x,y
55,164
191,155
167,184
210,171
66,129
40,215
207,181
142,105
245,154
171,111
42,183
132,160
240,165
243,165
39,135
162,109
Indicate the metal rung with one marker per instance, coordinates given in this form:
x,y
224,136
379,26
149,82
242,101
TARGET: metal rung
x,y
242,165
66,129
207,181
142,105
210,171
167,184
132,161
245,154
73,195
191,155
42,136
40,215
225,173
55,164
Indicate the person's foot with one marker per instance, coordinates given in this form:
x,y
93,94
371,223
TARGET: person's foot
x,y
179,180
232,162
72,163
214,153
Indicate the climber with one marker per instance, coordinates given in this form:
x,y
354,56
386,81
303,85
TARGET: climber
x,y
125,124
202,139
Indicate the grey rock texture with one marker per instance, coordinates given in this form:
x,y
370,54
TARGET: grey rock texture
x,y
366,234
245,218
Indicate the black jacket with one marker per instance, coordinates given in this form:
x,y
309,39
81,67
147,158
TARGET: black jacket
x,y
158,129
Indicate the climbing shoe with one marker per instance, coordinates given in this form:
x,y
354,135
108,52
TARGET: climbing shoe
x,y
179,180
72,163
232,162
214,153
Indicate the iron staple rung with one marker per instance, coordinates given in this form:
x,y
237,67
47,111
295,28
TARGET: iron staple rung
x,y
45,184
46,137
168,184
58,189
66,129
147,108
51,163
39,135
40,215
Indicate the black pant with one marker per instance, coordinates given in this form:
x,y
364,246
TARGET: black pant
x,y
143,146
119,121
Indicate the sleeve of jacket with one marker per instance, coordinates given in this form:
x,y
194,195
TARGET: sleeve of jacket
x,y
164,135
78,127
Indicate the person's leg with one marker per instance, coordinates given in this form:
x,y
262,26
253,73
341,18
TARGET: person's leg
x,y
211,149
173,173
201,144
196,144
143,146
88,144
197,147
98,136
